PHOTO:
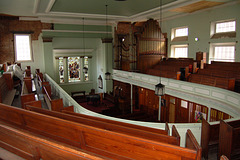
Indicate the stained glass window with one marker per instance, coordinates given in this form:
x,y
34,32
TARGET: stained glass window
x,y
61,69
85,63
73,69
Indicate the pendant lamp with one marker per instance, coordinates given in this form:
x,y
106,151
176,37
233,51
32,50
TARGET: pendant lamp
x,y
107,74
160,88
85,69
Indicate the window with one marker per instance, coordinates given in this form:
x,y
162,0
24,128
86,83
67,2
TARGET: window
x,y
222,52
85,64
23,51
179,51
229,26
74,69
71,69
179,34
61,69
223,29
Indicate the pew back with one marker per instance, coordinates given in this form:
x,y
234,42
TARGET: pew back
x,y
31,146
112,127
159,131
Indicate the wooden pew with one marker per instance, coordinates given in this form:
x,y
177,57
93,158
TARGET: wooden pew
x,y
229,139
7,92
26,93
209,137
32,146
156,136
53,104
102,142
118,123
225,83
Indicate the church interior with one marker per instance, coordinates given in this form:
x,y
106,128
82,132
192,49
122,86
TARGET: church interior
x,y
120,79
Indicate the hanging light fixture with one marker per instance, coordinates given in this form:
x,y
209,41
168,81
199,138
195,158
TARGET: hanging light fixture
x,y
85,69
160,88
107,74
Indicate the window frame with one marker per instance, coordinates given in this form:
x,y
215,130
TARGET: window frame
x,y
212,50
66,71
215,35
30,47
173,47
178,38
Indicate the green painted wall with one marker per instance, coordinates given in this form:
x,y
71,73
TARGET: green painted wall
x,y
48,59
97,65
199,26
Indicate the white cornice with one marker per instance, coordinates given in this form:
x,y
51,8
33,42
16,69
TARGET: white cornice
x,y
72,21
79,50
71,31
80,15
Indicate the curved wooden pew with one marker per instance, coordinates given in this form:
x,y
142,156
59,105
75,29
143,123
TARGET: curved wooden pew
x,y
91,139
142,133
118,123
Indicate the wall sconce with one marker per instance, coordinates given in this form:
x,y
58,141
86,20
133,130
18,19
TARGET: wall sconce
x,y
196,39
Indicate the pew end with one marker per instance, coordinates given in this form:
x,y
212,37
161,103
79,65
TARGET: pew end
x,y
192,143
27,98
176,134
37,104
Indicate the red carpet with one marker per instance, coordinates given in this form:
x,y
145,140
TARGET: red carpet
x,y
97,107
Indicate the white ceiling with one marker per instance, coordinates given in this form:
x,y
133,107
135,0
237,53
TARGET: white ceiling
x,y
94,11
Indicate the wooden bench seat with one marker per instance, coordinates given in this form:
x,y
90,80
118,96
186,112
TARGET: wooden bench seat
x,y
225,83
7,92
160,136
159,131
91,139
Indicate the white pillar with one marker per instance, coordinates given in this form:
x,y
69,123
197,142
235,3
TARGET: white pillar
x,y
131,98
159,109
209,114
